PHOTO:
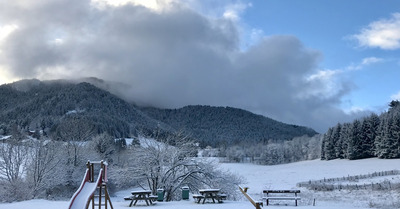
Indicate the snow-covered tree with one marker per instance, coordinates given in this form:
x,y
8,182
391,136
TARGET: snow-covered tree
x,y
354,143
158,164
273,154
44,157
337,140
13,160
329,145
369,128
75,131
391,137
104,145
344,137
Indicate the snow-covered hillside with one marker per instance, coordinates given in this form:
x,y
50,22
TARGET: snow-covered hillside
x,y
281,177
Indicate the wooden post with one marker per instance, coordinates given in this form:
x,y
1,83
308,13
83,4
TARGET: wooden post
x,y
105,196
256,204
89,168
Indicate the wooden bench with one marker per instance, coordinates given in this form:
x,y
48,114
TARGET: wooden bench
x,y
128,198
221,196
256,204
283,196
153,198
197,197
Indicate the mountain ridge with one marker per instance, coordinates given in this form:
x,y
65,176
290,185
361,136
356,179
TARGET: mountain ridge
x,y
47,105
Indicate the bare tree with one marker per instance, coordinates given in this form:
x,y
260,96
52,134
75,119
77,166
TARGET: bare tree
x,y
104,145
158,164
75,131
13,159
45,156
13,156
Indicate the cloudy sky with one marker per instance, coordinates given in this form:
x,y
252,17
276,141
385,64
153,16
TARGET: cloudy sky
x,y
311,62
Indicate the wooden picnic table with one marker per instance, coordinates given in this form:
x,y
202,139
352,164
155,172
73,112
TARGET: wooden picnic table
x,y
141,195
212,194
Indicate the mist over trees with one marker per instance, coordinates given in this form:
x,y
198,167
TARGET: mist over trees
x,y
226,126
372,136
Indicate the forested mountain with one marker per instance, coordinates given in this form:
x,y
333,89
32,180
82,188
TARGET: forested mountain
x,y
50,106
226,125
373,136
63,109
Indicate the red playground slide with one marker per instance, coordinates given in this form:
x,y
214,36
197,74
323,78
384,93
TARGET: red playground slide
x,y
83,196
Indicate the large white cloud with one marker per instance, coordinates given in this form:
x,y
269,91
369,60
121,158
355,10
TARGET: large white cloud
x,y
384,34
172,57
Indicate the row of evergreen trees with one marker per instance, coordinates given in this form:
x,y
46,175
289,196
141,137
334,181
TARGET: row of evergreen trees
x,y
373,136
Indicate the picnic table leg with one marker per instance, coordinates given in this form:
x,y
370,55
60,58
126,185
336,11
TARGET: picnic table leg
x,y
135,202
147,198
130,205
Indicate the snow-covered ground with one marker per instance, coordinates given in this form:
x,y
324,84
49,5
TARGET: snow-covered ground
x,y
277,177
286,176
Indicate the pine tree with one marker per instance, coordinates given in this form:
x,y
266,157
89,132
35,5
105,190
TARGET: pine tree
x,y
388,141
337,140
371,134
329,145
395,136
367,138
344,140
354,146
323,157
380,139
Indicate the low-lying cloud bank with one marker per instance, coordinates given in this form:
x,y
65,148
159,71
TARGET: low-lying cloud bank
x,y
171,57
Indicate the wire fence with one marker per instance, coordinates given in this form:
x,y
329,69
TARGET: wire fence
x,y
330,184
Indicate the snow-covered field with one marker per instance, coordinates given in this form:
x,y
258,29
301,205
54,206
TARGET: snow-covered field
x,y
278,177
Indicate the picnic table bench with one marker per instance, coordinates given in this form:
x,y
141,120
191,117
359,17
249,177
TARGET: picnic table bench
x,y
283,195
144,195
212,194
